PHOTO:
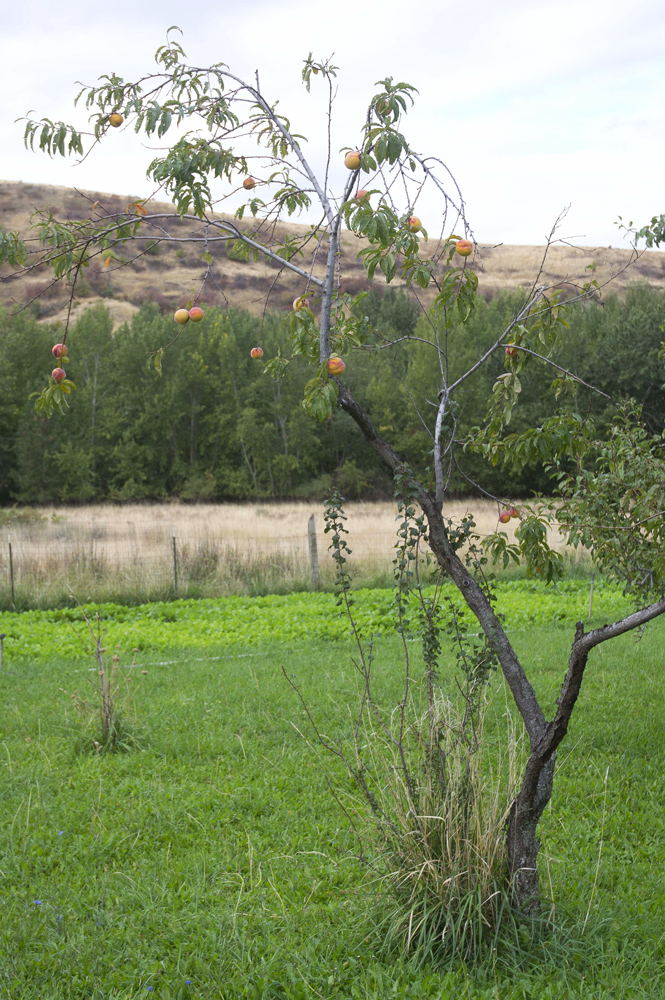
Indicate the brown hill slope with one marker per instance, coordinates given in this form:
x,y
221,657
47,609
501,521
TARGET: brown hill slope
x,y
170,275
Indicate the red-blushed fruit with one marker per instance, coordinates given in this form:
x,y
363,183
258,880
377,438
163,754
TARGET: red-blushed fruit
x,y
413,223
504,517
59,350
335,366
361,195
116,119
249,183
196,314
256,352
58,374
513,511
464,248
300,303
181,316
352,160
511,351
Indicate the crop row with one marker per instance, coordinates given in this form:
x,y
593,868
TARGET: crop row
x,y
251,621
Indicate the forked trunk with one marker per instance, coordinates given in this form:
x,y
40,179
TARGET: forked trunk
x,y
544,736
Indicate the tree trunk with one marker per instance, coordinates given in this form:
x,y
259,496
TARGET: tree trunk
x,y
544,736
522,843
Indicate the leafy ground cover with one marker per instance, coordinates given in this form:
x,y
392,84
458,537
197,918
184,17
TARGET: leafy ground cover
x,y
212,862
231,621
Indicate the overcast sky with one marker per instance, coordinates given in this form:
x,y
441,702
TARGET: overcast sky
x,y
532,104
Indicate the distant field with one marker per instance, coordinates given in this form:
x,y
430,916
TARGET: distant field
x,y
126,553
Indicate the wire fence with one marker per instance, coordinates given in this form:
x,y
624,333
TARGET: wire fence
x,y
99,559
50,562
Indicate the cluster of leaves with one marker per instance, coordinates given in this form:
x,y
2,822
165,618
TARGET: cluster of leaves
x,y
616,507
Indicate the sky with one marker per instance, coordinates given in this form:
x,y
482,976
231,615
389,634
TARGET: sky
x,y
534,105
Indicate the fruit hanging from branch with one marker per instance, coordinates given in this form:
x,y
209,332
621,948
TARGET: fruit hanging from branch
x,y
300,303
464,248
58,374
116,120
59,351
256,352
352,160
335,365
196,314
513,511
181,316
504,517
511,351
249,183
413,224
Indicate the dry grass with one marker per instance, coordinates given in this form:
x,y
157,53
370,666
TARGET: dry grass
x,y
443,791
125,553
170,280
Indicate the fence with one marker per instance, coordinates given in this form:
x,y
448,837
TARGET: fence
x,y
138,553
103,560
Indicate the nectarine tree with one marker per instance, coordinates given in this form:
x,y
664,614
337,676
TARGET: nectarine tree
x,y
608,495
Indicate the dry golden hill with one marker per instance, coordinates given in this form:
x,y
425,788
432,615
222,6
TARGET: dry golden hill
x,y
170,275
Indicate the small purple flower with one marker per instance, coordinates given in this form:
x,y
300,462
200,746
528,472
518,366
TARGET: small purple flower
x,y
37,902
60,833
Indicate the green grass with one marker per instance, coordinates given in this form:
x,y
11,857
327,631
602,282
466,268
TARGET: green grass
x,y
216,854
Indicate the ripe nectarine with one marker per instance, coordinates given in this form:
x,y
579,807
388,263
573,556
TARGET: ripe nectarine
x,y
116,119
511,351
413,223
361,195
352,160
300,303
335,365
58,374
256,352
464,248
196,314
504,517
513,511
181,316
249,183
59,351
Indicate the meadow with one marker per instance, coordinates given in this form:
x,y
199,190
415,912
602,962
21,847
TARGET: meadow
x,y
210,860
125,554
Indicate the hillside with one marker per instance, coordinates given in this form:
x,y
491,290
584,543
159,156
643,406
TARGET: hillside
x,y
169,275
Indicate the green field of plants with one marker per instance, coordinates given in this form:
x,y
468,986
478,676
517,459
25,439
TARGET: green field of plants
x,y
211,860
254,621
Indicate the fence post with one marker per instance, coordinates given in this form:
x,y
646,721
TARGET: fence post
x,y
313,553
175,565
593,577
11,568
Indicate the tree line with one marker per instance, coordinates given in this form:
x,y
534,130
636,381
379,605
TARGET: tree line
x,y
214,427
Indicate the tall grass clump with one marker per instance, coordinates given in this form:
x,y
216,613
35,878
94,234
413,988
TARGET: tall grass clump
x,y
435,774
442,792
103,715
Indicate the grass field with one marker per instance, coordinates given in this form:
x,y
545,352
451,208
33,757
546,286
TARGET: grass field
x,y
211,860
125,553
